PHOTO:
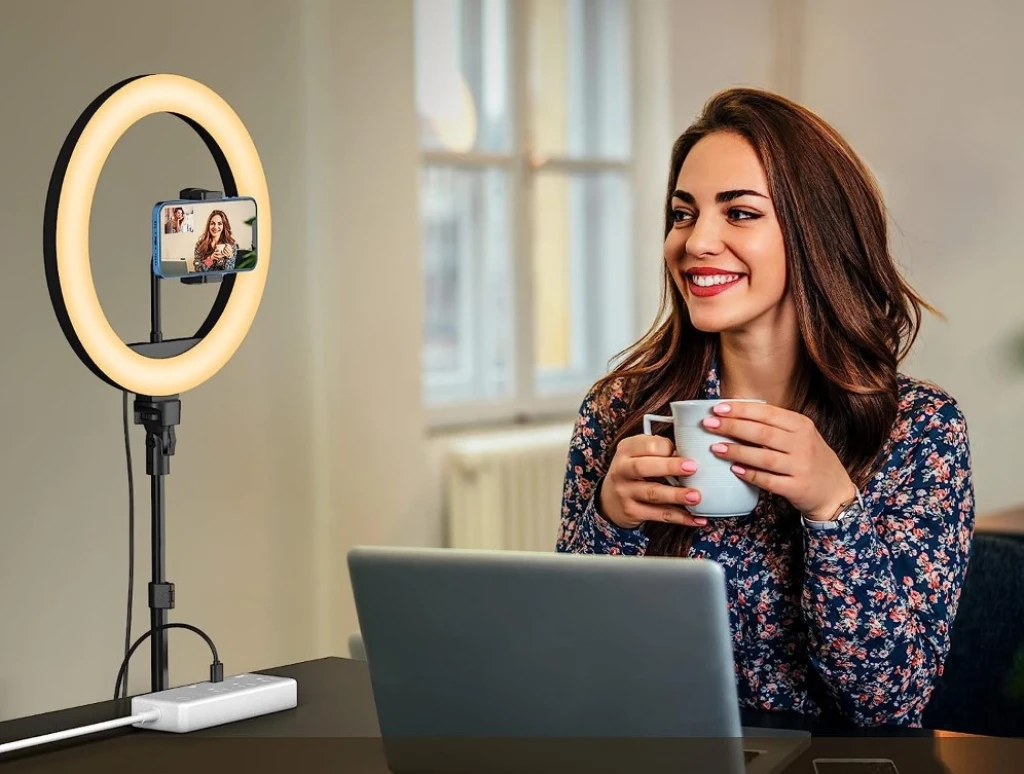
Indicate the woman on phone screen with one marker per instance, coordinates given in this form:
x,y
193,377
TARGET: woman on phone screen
x,y
216,249
844,581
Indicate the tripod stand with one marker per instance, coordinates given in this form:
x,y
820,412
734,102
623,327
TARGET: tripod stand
x,y
160,415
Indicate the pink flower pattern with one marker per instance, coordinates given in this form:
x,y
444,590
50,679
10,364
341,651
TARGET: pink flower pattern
x,y
854,621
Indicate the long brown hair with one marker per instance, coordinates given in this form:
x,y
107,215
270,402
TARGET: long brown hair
x,y
857,316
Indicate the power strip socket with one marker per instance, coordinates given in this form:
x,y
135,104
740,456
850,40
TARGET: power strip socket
x,y
202,705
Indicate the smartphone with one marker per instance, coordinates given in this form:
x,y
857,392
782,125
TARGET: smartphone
x,y
211,237
854,766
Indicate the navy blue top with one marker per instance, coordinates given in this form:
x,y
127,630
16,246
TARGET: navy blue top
x,y
854,621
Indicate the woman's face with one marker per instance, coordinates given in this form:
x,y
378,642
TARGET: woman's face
x,y
216,227
725,250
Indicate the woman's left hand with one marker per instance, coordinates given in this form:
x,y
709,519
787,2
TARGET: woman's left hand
x,y
788,456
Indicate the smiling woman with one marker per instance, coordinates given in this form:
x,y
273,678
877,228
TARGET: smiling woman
x,y
845,579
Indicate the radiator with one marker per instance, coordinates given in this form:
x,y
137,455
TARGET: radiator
x,y
503,490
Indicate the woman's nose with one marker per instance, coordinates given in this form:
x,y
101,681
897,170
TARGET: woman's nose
x,y
705,238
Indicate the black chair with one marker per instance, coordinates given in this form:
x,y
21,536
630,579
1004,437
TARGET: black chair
x,y
982,688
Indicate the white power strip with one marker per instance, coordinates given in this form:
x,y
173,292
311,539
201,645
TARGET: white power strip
x,y
202,705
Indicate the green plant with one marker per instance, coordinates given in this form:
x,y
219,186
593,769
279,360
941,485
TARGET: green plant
x,y
1015,683
247,258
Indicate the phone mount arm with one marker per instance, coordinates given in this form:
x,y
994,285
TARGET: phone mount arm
x,y
160,415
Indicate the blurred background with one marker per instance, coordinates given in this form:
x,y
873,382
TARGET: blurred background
x,y
467,199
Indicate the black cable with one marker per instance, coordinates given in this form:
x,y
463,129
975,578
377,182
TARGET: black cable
x,y
131,539
216,668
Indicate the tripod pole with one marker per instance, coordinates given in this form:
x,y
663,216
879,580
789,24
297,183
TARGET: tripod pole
x,y
159,599
159,415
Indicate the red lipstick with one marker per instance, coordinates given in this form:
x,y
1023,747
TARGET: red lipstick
x,y
726,280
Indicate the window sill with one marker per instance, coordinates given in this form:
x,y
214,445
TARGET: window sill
x,y
461,418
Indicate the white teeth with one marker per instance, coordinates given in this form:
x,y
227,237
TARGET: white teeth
x,y
707,280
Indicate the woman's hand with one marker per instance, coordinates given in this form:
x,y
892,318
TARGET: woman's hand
x,y
788,457
630,497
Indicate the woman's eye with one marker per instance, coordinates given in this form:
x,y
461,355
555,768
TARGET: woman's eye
x,y
736,214
679,216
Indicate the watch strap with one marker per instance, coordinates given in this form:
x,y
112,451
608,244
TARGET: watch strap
x,y
843,513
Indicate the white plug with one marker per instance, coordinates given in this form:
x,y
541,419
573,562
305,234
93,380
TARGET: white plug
x,y
202,705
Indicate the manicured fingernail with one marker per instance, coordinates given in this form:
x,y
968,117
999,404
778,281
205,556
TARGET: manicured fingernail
x,y
722,408
738,470
719,448
692,497
712,422
700,521
689,466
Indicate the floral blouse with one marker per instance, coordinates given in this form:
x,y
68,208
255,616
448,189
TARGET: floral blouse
x,y
225,260
853,621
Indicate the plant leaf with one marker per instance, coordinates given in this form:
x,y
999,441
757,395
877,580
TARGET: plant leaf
x,y
246,260
1015,684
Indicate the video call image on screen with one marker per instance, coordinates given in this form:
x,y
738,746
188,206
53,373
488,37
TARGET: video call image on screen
x,y
213,237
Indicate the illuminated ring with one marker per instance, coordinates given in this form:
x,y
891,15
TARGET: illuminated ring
x,y
66,234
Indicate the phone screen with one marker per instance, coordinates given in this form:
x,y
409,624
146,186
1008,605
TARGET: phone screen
x,y
212,237
854,766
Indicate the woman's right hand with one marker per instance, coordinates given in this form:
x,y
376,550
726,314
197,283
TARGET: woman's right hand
x,y
632,494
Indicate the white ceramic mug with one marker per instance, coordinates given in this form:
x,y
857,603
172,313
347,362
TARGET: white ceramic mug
x,y
722,493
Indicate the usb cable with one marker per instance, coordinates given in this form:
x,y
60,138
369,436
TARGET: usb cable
x,y
150,716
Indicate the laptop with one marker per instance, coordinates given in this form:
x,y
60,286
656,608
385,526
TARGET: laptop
x,y
487,660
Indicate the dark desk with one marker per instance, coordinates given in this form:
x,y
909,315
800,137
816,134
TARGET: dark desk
x,y
334,729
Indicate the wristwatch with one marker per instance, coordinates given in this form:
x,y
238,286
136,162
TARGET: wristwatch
x,y
844,512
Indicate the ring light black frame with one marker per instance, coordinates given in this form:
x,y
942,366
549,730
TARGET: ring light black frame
x,y
159,414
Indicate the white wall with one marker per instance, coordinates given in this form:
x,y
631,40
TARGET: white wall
x,y
293,451
654,131
715,45
365,297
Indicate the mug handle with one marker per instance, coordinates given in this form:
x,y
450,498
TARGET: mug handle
x,y
649,419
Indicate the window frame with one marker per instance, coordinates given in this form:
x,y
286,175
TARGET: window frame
x,y
523,164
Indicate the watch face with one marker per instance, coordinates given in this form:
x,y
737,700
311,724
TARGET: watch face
x,y
835,522
850,510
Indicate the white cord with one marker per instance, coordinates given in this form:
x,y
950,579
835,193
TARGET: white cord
x,y
142,717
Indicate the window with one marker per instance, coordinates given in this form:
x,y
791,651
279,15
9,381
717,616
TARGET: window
x,y
525,111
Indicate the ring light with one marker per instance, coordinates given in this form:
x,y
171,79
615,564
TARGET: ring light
x,y
159,370
66,235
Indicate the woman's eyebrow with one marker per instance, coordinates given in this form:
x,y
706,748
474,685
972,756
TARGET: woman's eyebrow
x,y
722,197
